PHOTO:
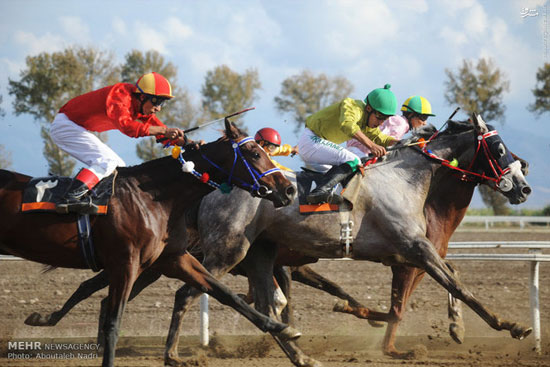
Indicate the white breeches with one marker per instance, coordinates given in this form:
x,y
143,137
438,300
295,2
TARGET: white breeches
x,y
318,151
84,146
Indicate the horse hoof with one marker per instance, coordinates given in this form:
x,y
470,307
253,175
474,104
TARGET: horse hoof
x,y
310,362
174,362
520,332
288,333
35,319
375,323
340,306
457,332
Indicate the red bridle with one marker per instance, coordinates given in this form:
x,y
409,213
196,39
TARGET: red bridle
x,y
468,174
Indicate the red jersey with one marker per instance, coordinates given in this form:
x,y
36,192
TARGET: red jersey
x,y
110,108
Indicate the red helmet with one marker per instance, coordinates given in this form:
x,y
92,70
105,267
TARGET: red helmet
x,y
268,134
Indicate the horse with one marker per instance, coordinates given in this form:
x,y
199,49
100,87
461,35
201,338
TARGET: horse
x,y
152,197
427,200
443,214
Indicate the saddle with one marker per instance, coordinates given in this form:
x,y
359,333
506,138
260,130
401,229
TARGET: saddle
x,y
304,181
43,193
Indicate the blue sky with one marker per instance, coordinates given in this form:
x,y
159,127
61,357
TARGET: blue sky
x,y
406,43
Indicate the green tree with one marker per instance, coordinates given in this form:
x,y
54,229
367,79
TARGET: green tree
x,y
479,88
305,93
178,112
51,79
5,158
2,111
225,91
541,91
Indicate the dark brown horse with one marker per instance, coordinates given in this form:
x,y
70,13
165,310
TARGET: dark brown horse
x,y
145,224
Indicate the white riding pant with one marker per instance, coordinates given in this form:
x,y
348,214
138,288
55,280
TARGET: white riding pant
x,y
84,146
316,151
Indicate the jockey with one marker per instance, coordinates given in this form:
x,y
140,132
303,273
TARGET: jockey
x,y
129,108
270,140
349,118
415,113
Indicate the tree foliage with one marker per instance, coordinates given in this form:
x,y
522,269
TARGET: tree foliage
x,y
225,91
479,88
541,91
49,80
178,112
305,93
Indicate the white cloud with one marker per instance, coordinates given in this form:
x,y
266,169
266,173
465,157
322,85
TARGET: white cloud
x,y
119,26
176,29
75,28
452,37
475,20
37,44
150,39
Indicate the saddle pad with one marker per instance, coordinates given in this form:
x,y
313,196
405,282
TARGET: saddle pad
x,y
43,193
304,181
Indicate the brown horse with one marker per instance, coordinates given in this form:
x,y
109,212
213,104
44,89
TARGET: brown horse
x,y
151,197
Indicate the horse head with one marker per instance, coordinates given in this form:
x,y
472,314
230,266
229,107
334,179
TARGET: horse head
x,y
240,161
500,168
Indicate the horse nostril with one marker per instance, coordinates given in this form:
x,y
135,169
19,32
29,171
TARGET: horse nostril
x,y
526,190
290,191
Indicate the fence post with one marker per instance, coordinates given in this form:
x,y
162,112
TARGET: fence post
x,y
204,320
534,297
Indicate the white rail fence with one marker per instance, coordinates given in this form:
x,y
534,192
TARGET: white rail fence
x,y
491,220
534,256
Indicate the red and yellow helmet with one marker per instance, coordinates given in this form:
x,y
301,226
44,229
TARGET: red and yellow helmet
x,y
154,84
269,135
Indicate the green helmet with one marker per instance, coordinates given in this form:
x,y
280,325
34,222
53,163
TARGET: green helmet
x,y
417,104
382,100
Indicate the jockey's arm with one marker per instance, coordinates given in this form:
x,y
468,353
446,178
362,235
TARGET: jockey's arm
x,y
376,150
169,132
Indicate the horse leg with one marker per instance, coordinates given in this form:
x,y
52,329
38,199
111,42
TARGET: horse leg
x,y
121,281
422,253
404,281
305,275
260,257
456,327
85,290
185,267
146,278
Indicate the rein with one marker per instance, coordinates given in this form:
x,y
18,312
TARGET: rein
x,y
255,187
468,174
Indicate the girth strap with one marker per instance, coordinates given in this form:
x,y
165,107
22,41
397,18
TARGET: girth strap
x,y
85,241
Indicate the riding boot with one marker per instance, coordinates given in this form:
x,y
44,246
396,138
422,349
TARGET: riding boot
x,y
75,199
324,191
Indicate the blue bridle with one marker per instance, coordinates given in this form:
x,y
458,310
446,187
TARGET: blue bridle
x,y
225,187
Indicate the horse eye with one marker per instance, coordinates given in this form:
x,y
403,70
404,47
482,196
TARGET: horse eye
x,y
499,150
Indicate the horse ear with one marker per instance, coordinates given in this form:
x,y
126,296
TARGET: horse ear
x,y
479,124
231,131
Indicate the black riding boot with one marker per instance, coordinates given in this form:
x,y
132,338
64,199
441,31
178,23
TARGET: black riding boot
x,y
75,201
323,192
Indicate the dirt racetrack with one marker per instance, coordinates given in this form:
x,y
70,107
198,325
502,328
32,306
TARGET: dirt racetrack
x,y
333,339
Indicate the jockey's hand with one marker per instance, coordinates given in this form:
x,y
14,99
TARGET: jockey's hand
x,y
294,151
173,133
377,150
194,144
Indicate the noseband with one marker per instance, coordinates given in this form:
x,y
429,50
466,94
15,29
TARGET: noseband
x,y
254,187
467,174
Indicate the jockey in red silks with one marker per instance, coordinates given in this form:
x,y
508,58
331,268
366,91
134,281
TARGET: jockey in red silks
x,y
129,108
270,140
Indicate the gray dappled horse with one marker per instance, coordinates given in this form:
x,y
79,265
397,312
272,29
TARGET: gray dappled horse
x,y
390,216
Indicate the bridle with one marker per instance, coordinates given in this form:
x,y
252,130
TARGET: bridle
x,y
482,148
255,187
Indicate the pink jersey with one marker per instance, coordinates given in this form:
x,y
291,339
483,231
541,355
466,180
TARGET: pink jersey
x,y
396,126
